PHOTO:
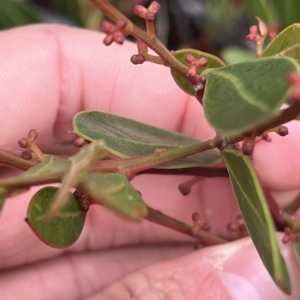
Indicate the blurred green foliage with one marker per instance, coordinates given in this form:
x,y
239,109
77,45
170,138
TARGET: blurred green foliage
x,y
282,12
16,13
207,25
75,12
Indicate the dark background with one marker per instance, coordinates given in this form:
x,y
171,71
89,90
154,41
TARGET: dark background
x,y
215,26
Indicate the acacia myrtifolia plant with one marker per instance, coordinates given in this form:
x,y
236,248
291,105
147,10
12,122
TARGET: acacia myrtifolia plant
x,y
242,102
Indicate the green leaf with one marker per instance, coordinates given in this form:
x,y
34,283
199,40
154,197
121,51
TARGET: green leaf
x,y
43,171
3,196
64,229
127,138
233,55
51,165
257,216
293,52
288,12
115,192
17,13
286,39
241,96
182,82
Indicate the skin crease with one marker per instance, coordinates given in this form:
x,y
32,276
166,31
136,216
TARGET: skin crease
x,y
48,73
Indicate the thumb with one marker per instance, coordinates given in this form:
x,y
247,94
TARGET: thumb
x,y
232,271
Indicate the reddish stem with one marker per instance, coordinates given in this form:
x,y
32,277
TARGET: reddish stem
x,y
158,217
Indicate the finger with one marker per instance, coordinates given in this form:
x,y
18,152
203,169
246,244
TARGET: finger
x,y
277,163
77,276
64,90
103,229
232,271
57,71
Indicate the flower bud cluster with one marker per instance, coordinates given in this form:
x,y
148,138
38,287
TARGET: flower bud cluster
x,y
113,32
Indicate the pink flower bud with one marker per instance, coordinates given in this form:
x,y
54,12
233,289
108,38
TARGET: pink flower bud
x,y
190,58
118,37
108,40
107,27
251,37
154,7
272,35
201,62
23,143
253,29
282,131
139,11
137,59
191,72
293,78
120,25
32,135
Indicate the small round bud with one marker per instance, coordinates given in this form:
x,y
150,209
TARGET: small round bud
x,y
293,78
184,189
253,29
190,58
191,72
107,27
282,131
26,155
205,226
201,62
266,137
272,35
248,147
231,227
154,7
147,14
119,37
121,24
203,79
84,205
108,40
137,59
23,143
139,11
32,135
196,217
80,142
78,193
251,37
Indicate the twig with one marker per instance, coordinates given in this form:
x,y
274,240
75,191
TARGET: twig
x,y
158,217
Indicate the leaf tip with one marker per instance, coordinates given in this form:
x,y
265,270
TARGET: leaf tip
x,y
284,286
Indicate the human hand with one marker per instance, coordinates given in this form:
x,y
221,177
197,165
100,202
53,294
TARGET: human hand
x,y
48,73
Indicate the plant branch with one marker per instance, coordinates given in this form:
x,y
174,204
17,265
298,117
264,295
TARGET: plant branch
x,y
158,217
131,166
15,161
149,40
